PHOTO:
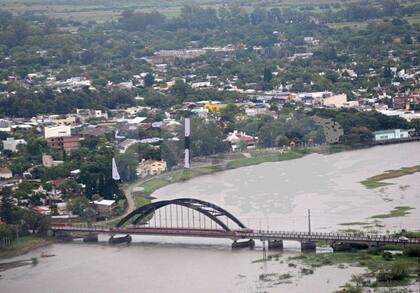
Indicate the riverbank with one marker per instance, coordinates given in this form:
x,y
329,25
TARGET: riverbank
x,y
24,245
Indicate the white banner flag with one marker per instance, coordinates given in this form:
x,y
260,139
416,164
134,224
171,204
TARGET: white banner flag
x,y
115,174
187,159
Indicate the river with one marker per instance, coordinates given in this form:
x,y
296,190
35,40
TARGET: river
x,y
270,195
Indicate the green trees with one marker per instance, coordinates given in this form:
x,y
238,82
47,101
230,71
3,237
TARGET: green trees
x,y
79,205
206,138
7,208
291,125
149,80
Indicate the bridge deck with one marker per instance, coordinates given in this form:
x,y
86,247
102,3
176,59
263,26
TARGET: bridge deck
x,y
240,234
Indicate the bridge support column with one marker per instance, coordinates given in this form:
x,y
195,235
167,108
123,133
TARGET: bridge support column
x,y
275,244
307,245
243,244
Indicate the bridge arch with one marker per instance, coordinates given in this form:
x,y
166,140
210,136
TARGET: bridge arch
x,y
207,209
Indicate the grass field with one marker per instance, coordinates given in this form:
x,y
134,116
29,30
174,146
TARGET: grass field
x,y
105,10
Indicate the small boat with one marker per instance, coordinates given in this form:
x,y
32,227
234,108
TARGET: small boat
x,y
244,244
123,239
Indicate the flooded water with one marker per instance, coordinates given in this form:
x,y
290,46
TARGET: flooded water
x,y
278,195
273,195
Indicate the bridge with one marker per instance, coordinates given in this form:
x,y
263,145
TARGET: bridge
x,y
190,217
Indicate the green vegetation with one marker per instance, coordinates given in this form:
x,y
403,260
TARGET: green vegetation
x,y
354,224
377,180
141,201
388,271
264,157
396,212
23,245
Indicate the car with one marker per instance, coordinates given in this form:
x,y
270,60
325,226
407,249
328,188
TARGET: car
x,y
246,230
403,239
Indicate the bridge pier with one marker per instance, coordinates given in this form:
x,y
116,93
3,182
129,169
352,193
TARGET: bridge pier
x,y
275,244
91,238
308,245
243,244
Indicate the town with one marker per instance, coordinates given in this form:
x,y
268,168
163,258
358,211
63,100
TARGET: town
x,y
259,85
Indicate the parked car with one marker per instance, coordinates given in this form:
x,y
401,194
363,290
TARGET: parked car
x,y
403,238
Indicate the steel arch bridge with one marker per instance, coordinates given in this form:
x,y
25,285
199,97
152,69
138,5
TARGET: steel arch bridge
x,y
208,210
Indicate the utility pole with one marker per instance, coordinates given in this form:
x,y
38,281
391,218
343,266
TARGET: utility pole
x,y
309,220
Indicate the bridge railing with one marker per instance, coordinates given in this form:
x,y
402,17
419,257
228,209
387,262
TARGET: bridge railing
x,y
241,233
328,236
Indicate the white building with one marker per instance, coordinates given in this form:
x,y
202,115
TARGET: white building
x,y
11,144
57,131
390,134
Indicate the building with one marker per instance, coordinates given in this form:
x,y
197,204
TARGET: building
x,y
57,131
12,144
42,210
5,125
48,161
258,109
151,167
405,102
214,107
96,131
391,134
238,139
105,207
5,173
337,101
64,143
69,120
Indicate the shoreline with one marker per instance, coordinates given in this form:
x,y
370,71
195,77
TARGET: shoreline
x,y
24,246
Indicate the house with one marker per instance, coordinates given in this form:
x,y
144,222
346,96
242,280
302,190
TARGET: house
x,y
43,210
64,143
236,139
151,167
57,183
389,134
5,125
105,207
48,161
57,131
11,144
5,173
257,109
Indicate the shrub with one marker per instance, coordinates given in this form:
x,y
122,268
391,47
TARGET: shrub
x,y
412,251
397,272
